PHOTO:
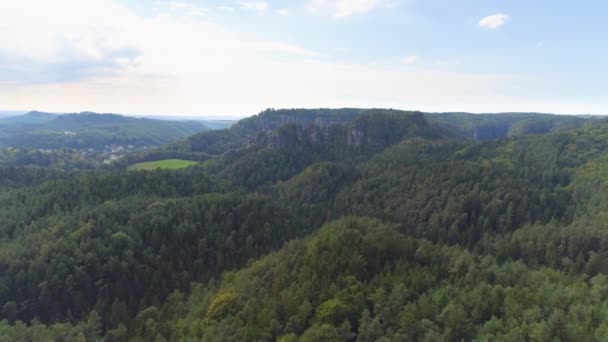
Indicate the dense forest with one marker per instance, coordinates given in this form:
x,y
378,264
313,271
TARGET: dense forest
x,y
318,225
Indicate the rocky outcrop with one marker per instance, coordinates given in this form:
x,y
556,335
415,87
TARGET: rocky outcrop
x,y
377,130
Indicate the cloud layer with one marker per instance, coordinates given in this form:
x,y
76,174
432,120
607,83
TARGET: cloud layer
x,y
105,57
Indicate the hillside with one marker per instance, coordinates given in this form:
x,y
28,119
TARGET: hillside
x,y
37,130
359,279
495,126
221,141
483,127
350,225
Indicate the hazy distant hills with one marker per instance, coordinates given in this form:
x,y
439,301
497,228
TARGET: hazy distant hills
x,y
90,130
5,113
33,117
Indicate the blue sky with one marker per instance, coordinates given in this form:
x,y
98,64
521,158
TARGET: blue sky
x,y
195,57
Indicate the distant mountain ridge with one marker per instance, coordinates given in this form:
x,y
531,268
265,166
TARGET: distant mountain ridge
x,y
6,113
485,127
482,127
33,117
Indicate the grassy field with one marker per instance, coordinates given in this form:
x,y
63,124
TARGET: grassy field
x,y
170,164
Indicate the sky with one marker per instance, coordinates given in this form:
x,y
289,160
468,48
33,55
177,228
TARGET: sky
x,y
236,58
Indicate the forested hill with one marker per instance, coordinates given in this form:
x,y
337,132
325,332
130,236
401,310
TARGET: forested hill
x,y
482,127
372,225
220,141
37,130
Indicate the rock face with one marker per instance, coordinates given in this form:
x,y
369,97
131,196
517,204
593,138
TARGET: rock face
x,y
270,119
348,126
288,135
317,133
356,136
376,130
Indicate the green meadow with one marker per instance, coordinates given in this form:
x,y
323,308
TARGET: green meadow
x,y
170,164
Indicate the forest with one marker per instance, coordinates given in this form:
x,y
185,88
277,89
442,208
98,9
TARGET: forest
x,y
317,225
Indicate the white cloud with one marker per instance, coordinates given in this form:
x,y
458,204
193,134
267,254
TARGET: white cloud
x,y
258,6
106,36
345,8
493,22
47,35
282,11
410,59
